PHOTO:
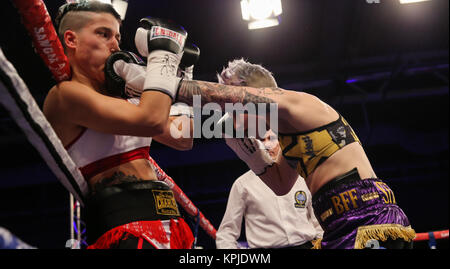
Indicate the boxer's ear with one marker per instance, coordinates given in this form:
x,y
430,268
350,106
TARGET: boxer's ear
x,y
70,39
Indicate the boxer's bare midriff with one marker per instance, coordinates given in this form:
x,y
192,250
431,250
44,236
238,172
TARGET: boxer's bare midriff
x,y
133,171
341,162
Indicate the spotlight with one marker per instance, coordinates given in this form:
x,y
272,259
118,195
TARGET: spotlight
x,y
261,13
121,7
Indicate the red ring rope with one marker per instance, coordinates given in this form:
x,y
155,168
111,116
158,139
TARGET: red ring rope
x,y
184,200
426,236
37,21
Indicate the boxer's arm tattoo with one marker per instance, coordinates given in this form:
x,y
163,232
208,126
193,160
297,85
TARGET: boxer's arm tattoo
x,y
221,94
116,178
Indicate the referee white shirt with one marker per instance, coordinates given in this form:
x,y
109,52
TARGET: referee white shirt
x,y
271,221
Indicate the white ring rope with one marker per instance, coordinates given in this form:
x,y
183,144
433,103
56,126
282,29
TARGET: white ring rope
x,y
22,107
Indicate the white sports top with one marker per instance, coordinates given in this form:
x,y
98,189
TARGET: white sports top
x,y
94,152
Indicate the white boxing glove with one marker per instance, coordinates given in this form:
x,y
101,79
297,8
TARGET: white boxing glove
x,y
124,74
133,74
162,73
252,152
188,73
162,42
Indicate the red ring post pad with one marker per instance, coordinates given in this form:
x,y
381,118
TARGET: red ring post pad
x,y
39,25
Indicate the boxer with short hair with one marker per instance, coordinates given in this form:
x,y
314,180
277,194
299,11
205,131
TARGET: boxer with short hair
x,y
71,17
352,205
108,136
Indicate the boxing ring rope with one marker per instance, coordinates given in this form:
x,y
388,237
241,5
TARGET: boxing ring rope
x,y
431,237
39,25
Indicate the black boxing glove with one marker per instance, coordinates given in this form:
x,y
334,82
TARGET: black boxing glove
x,y
162,42
124,74
191,55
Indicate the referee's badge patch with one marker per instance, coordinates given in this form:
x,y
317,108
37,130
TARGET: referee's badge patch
x,y
300,199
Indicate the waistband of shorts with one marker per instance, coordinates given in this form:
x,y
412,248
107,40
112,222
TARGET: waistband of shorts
x,y
130,186
129,202
347,178
348,196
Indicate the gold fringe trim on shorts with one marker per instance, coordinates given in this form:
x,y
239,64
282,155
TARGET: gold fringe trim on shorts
x,y
383,232
317,243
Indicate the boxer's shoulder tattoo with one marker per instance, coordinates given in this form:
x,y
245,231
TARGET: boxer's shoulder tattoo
x,y
219,93
116,178
270,91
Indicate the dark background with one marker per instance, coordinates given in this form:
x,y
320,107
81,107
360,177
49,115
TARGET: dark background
x,y
398,104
